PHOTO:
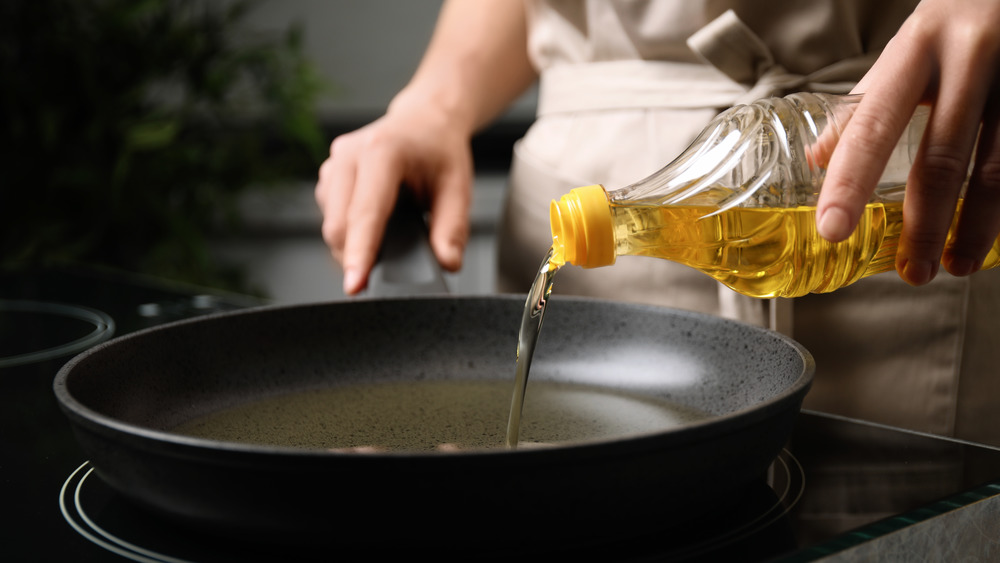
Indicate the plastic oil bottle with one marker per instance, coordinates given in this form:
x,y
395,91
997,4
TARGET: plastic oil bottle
x,y
740,204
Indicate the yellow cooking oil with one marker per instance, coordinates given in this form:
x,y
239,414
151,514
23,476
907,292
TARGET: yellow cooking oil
x,y
438,415
758,251
764,252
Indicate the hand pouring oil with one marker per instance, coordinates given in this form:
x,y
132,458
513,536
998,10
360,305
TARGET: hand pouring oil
x,y
739,204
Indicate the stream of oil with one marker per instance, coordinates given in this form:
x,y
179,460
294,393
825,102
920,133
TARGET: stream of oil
x,y
527,337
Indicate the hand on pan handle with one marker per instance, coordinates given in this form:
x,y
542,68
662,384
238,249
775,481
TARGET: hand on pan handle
x,y
946,54
475,66
358,187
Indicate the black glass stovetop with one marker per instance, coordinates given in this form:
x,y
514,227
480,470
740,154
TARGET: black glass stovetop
x,y
839,484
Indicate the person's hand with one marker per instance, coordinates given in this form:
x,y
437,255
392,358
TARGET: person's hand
x,y
475,65
358,185
946,54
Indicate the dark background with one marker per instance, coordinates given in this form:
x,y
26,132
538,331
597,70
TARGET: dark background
x,y
133,131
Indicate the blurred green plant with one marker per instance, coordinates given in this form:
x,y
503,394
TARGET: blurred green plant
x,y
129,127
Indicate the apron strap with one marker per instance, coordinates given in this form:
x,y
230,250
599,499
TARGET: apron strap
x,y
739,68
735,50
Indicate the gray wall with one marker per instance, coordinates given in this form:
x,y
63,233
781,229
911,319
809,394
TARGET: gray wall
x,y
367,48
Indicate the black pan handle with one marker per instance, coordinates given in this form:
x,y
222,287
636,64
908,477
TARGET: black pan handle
x,y
406,264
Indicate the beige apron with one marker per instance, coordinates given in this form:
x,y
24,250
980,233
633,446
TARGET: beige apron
x,y
911,357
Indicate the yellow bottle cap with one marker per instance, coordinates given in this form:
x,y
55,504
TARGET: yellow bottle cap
x,y
582,231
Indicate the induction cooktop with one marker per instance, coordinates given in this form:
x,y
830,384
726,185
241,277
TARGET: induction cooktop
x,y
838,484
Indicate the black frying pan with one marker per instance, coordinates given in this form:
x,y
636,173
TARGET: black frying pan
x,y
125,396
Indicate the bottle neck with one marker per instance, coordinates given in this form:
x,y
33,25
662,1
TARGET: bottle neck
x,y
582,229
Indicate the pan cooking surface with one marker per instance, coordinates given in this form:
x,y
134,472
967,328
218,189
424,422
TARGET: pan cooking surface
x,y
439,414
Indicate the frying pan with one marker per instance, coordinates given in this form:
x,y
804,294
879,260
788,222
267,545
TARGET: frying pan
x,y
124,397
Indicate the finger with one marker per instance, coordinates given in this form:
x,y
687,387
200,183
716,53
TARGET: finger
x,y
379,176
333,194
939,171
979,223
866,143
449,225
819,152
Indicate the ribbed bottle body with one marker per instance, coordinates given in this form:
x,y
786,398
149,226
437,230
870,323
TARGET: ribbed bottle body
x,y
739,204
765,252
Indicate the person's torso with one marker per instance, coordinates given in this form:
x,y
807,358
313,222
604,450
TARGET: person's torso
x,y
803,35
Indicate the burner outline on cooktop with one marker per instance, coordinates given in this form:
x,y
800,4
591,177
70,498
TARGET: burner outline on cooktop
x,y
104,328
110,542
786,474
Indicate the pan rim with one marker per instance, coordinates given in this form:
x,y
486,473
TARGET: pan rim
x,y
179,444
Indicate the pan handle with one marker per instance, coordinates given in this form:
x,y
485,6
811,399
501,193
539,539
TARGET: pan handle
x,y
406,264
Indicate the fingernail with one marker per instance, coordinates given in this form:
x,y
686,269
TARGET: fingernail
x,y
352,281
834,225
918,272
962,266
453,255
